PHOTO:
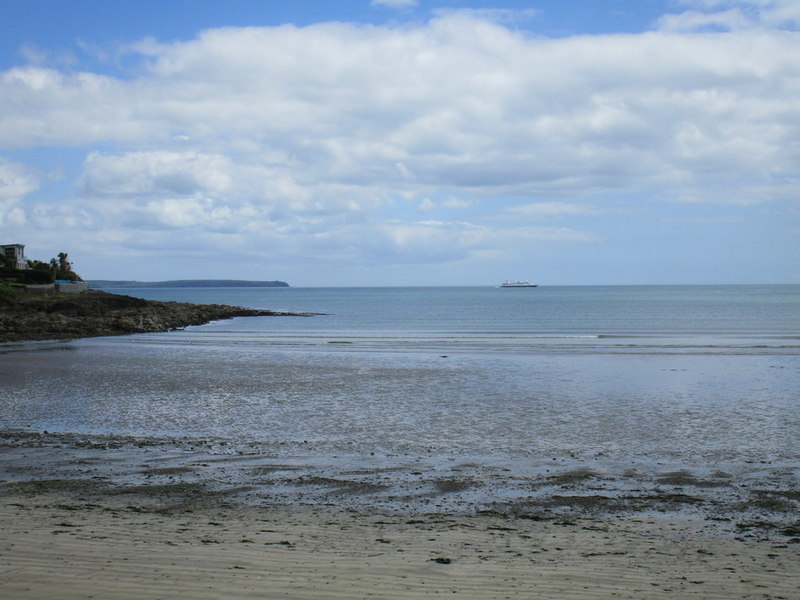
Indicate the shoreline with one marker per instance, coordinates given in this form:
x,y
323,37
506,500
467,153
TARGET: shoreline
x,y
61,545
117,517
173,474
95,313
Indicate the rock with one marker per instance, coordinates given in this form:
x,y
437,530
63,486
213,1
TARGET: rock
x,y
96,313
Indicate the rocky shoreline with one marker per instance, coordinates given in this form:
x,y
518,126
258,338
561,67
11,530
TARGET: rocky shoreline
x,y
95,313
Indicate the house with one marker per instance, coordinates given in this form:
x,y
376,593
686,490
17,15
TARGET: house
x,y
15,256
36,281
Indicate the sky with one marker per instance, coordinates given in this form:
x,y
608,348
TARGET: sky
x,y
404,142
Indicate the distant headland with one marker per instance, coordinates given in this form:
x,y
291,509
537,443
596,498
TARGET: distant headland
x,y
50,301
28,316
100,284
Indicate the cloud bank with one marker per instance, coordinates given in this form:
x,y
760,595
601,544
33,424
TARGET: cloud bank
x,y
459,140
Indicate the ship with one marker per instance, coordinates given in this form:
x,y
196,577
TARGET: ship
x,y
517,284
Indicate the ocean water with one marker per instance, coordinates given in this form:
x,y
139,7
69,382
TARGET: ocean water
x,y
622,376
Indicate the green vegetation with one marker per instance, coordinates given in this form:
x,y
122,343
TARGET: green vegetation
x,y
10,292
39,272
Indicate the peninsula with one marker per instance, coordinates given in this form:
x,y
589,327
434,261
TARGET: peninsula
x,y
27,317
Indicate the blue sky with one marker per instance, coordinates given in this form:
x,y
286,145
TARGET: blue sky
x,y
397,142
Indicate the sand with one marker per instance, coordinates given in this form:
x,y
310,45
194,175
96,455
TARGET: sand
x,y
123,518
57,546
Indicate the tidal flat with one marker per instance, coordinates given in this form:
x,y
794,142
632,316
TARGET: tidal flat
x,y
759,501
165,518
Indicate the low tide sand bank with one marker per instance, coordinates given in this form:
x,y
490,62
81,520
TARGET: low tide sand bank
x,y
60,547
106,517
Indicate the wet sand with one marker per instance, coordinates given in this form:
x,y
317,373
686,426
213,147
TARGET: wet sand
x,y
62,548
106,517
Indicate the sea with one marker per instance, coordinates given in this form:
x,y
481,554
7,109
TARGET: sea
x,y
644,377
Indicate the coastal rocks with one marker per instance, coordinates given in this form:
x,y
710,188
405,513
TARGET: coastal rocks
x,y
96,313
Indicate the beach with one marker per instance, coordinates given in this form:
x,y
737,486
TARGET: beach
x,y
60,546
63,548
412,443
94,517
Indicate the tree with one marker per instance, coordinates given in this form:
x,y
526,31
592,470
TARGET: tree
x,y
61,268
42,272
64,266
37,265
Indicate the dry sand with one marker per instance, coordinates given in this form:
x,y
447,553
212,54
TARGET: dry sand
x,y
113,518
59,547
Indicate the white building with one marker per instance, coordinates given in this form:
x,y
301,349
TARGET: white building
x,y
15,255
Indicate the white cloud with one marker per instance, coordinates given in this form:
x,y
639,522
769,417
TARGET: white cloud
x,y
159,173
16,182
165,190
327,140
428,205
546,210
395,3
434,242
461,102
693,20
734,14
495,15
